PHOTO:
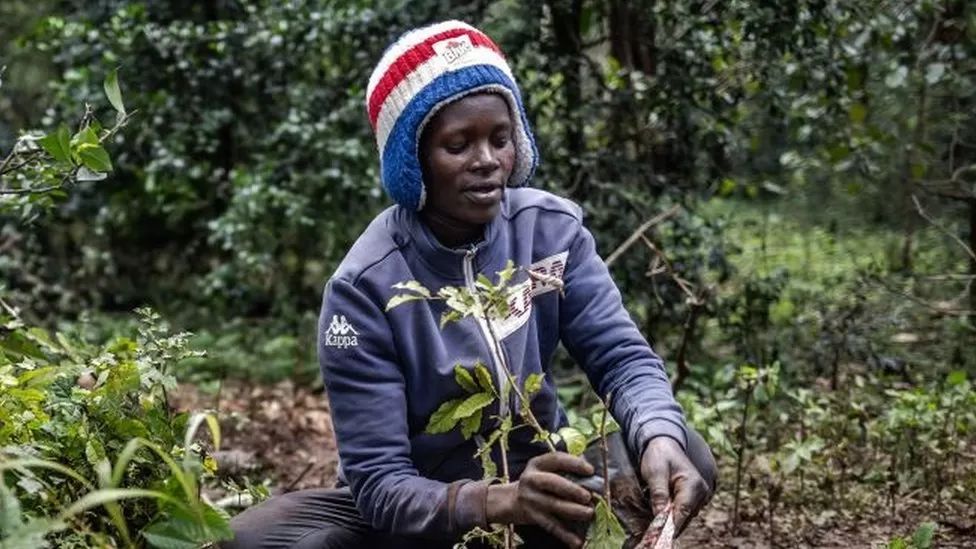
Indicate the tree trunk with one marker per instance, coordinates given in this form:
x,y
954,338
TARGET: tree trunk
x,y
566,31
972,260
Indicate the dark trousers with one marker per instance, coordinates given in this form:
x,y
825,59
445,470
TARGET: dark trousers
x,y
328,519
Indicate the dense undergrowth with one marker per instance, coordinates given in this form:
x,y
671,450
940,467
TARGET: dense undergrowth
x,y
811,288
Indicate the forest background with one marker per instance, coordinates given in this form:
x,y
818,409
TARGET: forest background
x,y
785,192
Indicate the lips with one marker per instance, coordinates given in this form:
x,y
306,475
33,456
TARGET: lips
x,y
484,194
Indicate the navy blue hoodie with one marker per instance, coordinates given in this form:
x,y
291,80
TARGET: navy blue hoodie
x,y
385,373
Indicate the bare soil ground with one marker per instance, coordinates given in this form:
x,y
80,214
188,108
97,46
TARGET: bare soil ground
x,y
285,433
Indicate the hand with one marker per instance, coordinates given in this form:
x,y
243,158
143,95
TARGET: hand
x,y
544,498
673,478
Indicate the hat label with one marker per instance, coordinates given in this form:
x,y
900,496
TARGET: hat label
x,y
453,49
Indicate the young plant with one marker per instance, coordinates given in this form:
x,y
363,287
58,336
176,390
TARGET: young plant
x,y
489,302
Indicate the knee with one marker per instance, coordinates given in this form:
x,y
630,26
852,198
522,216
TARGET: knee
x,y
701,456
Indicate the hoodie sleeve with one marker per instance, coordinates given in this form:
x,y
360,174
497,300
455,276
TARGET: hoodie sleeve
x,y
365,387
600,335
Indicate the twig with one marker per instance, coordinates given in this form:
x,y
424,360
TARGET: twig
x,y
5,168
945,231
637,234
291,485
681,359
684,284
923,303
31,190
605,450
10,310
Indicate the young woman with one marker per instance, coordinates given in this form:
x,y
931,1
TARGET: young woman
x,y
456,153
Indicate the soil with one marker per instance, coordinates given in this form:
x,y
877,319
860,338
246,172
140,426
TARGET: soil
x,y
284,433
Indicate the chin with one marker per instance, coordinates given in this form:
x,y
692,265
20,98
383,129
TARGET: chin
x,y
482,216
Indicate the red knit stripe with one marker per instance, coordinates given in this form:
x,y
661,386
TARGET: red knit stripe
x,y
413,58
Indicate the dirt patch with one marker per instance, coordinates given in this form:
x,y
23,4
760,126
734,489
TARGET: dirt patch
x,y
279,432
285,434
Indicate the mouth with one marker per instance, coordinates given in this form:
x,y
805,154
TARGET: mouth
x,y
486,193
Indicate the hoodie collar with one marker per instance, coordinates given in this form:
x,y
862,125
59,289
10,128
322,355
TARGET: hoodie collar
x,y
449,262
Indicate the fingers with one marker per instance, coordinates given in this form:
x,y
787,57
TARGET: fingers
x,y
558,486
691,493
561,462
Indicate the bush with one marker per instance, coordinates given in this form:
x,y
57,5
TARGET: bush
x,y
72,411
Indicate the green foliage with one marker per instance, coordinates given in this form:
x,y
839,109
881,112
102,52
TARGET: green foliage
x,y
39,169
921,539
73,411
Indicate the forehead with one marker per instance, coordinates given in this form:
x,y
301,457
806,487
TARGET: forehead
x,y
479,109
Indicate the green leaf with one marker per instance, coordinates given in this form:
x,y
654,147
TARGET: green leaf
x,y
412,286
484,378
171,534
575,441
533,384
58,144
858,113
956,378
94,452
727,187
95,158
473,404
934,72
923,536
442,420
484,282
113,92
471,424
605,531
918,170
450,316
898,543
86,136
400,299
897,78
465,379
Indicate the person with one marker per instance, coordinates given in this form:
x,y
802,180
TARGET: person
x,y
456,155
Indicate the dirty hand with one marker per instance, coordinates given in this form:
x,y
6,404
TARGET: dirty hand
x,y
545,498
672,478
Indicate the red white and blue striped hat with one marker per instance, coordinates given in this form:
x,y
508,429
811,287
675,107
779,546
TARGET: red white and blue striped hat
x,y
421,72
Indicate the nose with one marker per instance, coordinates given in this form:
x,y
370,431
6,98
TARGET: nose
x,y
485,158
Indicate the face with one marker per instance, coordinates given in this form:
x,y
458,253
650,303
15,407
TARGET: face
x,y
467,155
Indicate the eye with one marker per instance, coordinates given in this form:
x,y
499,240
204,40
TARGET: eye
x,y
502,139
455,146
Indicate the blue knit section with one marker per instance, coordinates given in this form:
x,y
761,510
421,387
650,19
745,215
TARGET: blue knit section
x,y
401,175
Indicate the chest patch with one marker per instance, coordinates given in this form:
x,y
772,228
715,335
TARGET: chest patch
x,y
520,300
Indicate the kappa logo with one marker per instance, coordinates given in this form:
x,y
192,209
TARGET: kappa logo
x,y
453,49
340,333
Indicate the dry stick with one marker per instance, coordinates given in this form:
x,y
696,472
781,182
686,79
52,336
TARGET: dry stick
x,y
945,231
923,303
291,485
604,450
637,234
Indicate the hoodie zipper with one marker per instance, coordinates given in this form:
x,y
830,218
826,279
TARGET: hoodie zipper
x,y
496,360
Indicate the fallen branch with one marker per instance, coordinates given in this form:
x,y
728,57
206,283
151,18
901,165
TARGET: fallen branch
x,y
656,220
682,371
944,231
923,303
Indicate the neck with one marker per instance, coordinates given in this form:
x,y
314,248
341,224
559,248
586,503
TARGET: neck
x,y
452,233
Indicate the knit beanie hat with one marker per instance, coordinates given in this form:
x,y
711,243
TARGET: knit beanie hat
x,y
423,71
